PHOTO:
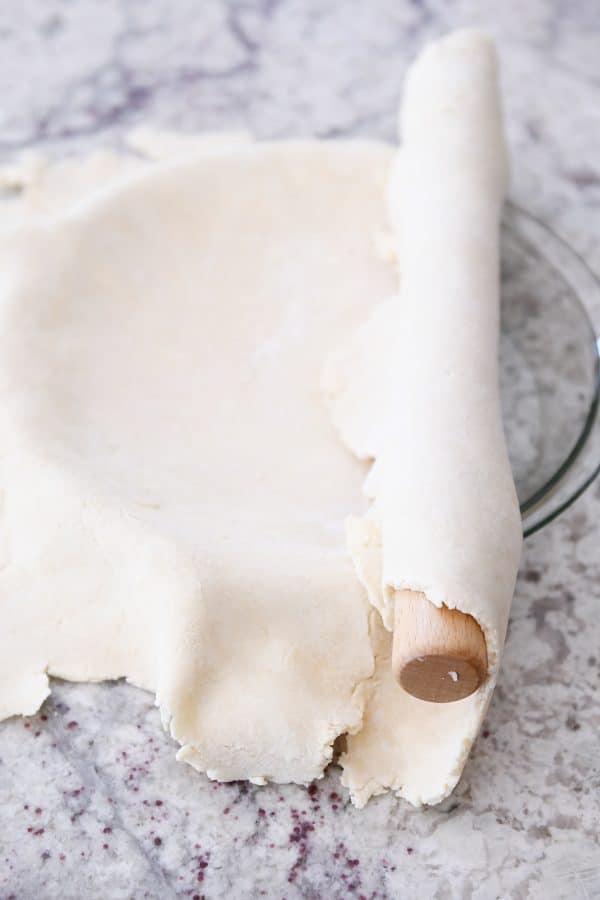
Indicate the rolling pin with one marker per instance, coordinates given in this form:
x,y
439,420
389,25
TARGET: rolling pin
x,y
438,654
445,198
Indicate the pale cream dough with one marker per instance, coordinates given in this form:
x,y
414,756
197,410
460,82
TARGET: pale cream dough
x,y
175,496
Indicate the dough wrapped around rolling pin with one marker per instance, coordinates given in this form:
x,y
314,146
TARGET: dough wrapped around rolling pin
x,y
172,490
416,390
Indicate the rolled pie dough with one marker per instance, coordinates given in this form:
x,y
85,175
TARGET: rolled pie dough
x,y
175,496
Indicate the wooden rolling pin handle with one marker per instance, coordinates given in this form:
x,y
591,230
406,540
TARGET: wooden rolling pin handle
x,y
438,654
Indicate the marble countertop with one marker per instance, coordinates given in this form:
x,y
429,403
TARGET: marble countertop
x,y
92,802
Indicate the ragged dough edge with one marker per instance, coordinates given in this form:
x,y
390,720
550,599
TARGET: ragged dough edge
x,y
26,696
192,755
364,542
30,689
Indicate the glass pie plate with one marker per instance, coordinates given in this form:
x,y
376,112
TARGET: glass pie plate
x,y
549,368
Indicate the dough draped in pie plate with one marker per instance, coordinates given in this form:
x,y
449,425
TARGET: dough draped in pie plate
x,y
175,496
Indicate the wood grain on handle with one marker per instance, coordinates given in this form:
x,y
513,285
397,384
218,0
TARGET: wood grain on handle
x,y
438,654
